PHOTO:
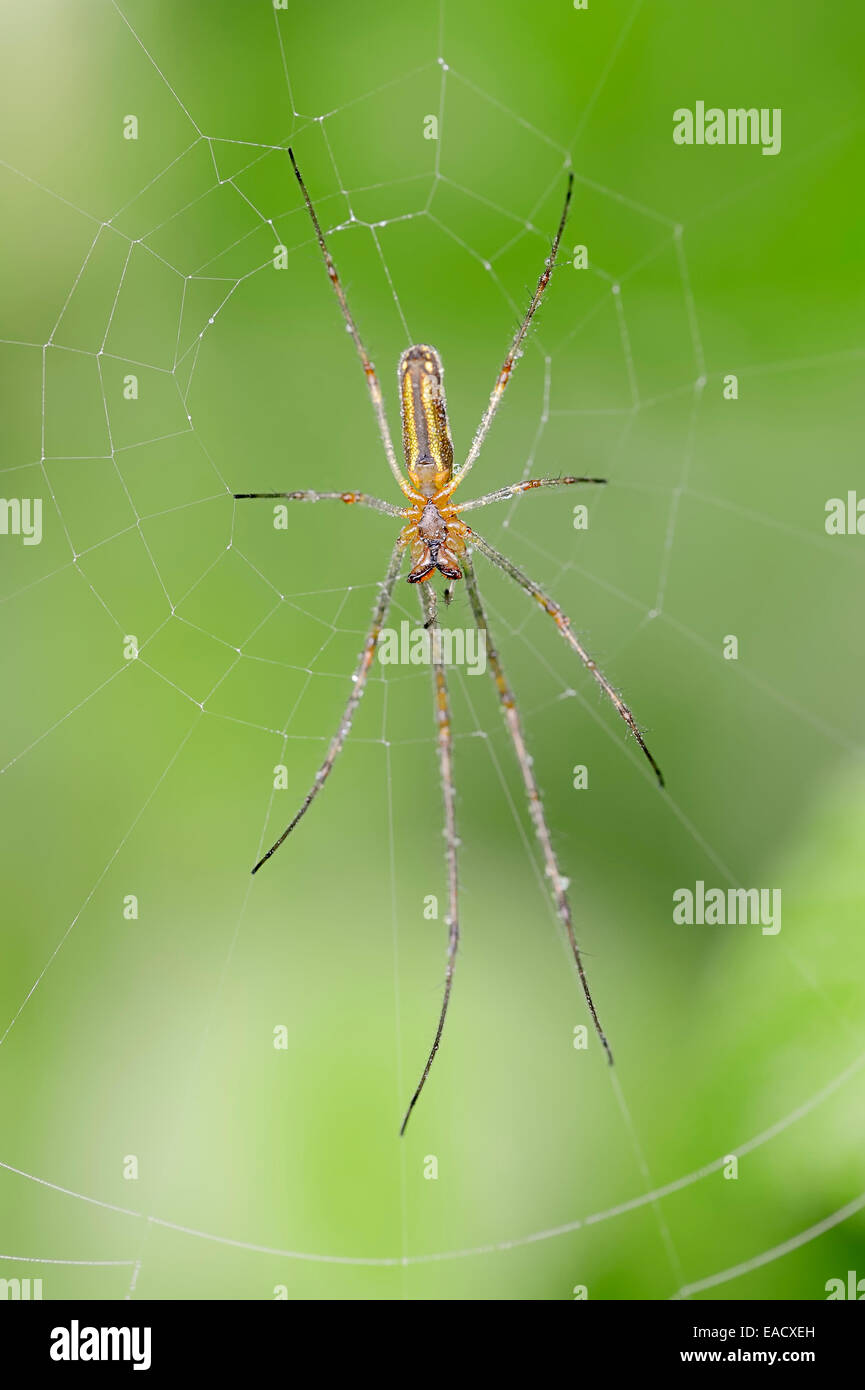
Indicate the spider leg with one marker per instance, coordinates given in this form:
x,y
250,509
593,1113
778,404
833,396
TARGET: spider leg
x,y
563,623
510,361
430,606
558,884
445,750
502,494
359,680
369,370
361,498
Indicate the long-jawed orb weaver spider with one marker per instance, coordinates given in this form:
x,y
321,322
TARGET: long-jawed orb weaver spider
x,y
440,541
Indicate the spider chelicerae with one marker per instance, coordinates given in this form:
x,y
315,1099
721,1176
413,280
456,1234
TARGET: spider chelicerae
x,y
439,541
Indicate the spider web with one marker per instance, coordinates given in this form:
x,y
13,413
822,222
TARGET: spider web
x,y
151,1037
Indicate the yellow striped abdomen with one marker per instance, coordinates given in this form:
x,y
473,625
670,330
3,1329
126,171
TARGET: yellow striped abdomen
x,y
426,436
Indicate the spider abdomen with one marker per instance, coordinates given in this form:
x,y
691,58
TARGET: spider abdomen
x,y
427,445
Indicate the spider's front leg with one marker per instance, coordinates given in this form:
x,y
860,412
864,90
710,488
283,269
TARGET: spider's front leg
x,y
445,753
359,680
563,623
557,881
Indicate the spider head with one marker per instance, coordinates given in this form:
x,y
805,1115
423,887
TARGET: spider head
x,y
435,545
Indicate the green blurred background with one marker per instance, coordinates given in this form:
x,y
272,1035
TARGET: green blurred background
x,y
153,1037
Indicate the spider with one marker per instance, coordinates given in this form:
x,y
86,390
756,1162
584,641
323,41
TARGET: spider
x,y
439,541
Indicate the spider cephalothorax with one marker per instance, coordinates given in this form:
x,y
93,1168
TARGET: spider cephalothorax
x,y
440,542
435,536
